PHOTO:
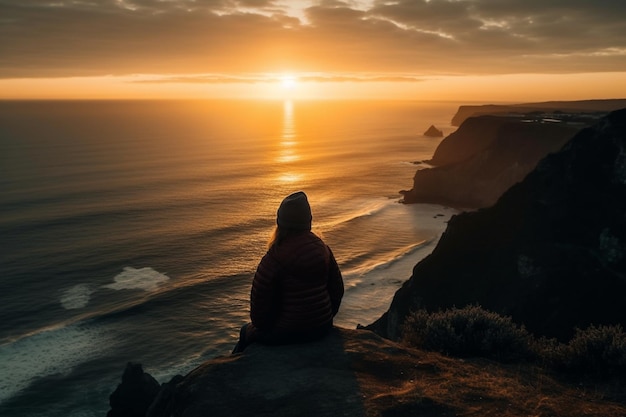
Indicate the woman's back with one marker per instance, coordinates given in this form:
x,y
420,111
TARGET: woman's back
x,y
301,265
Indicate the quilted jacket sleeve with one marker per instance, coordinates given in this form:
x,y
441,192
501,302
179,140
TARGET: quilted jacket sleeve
x,y
335,283
264,293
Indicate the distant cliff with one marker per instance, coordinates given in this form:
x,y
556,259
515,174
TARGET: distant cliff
x,y
551,253
483,158
581,106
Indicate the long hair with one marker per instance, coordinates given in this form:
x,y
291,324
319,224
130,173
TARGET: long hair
x,y
281,233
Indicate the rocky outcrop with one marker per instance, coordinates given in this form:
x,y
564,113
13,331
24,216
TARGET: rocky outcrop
x,y
134,395
580,106
433,132
483,158
309,379
551,253
357,373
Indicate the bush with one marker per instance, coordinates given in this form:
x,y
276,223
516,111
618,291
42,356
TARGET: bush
x,y
469,331
597,350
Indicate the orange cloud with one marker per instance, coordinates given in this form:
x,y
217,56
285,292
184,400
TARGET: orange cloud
x,y
38,39
224,45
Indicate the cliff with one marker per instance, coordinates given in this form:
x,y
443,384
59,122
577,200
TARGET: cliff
x,y
483,158
551,253
580,106
357,373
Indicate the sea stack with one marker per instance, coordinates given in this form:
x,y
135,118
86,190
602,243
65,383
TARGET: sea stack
x,y
433,132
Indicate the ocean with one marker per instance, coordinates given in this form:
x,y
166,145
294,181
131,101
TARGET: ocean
x,y
130,230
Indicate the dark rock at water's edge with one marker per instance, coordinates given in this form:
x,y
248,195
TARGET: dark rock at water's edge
x,y
134,395
572,107
551,253
433,132
483,158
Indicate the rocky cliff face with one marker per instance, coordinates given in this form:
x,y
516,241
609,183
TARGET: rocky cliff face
x,y
474,136
551,252
483,158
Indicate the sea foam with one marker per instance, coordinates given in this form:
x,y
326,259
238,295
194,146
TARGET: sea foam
x,y
50,352
77,296
146,279
143,279
366,208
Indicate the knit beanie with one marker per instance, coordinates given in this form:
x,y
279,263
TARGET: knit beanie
x,y
295,212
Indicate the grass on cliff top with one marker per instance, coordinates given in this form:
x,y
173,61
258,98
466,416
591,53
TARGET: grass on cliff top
x,y
436,385
477,363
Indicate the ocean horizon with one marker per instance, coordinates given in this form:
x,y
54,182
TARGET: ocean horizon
x,y
131,229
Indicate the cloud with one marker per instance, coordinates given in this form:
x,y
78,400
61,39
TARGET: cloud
x,y
360,78
265,78
44,38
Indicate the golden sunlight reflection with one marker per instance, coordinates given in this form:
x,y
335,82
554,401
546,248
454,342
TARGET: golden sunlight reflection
x,y
289,131
288,151
290,177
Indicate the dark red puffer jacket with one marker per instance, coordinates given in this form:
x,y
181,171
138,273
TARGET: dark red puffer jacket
x,y
297,286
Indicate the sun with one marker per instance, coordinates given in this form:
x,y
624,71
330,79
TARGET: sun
x,y
288,82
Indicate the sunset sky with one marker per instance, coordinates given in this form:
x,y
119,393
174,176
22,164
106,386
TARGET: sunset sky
x,y
472,50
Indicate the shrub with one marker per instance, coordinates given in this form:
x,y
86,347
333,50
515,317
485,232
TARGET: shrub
x,y
469,331
597,350
472,331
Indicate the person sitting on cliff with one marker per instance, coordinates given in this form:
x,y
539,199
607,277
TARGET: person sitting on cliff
x,y
297,287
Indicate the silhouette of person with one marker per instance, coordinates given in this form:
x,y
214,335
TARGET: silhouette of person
x,y
297,287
